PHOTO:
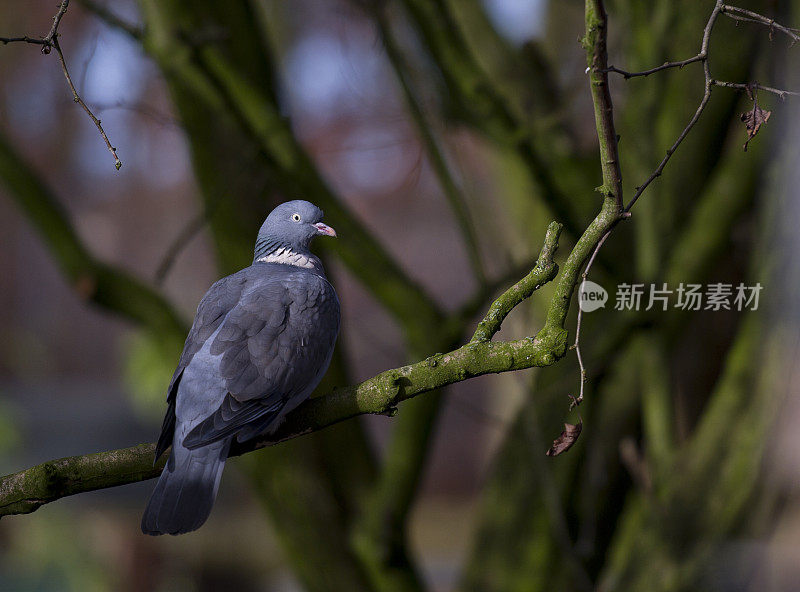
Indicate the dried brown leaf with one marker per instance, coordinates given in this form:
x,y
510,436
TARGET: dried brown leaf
x,y
753,120
566,439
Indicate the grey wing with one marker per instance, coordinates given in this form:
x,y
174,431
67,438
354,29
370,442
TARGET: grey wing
x,y
215,304
274,347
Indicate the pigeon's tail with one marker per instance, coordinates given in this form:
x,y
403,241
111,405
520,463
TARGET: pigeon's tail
x,y
185,492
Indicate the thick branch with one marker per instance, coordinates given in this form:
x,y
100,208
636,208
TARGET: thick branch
x,y
28,490
544,271
595,44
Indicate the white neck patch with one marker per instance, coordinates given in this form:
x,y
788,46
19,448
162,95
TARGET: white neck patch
x,y
288,257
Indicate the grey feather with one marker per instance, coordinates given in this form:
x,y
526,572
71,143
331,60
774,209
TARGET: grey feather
x,y
261,341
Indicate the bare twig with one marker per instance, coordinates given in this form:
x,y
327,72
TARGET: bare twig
x,y
754,85
709,83
577,345
76,97
700,57
50,42
742,14
732,11
53,33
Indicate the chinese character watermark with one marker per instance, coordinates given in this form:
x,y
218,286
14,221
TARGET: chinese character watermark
x,y
713,297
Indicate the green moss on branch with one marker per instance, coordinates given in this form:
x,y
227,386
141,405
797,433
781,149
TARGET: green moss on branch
x,y
544,271
28,490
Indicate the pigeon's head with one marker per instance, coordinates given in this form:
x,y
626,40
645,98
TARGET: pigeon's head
x,y
291,226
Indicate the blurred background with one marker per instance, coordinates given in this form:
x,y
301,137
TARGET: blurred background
x,y
440,138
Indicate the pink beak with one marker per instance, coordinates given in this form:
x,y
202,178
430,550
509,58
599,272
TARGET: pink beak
x,y
324,229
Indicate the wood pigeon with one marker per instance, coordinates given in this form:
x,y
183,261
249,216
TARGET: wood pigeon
x,y
261,341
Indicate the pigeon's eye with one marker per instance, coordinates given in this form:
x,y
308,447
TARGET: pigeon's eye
x,y
296,217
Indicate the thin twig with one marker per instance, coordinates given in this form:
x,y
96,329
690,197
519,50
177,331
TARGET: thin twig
x,y
25,39
700,57
709,83
53,33
76,97
577,345
719,8
744,19
49,42
754,85
740,14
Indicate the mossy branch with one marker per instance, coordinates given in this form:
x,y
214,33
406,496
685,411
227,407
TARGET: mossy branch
x,y
28,490
544,271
